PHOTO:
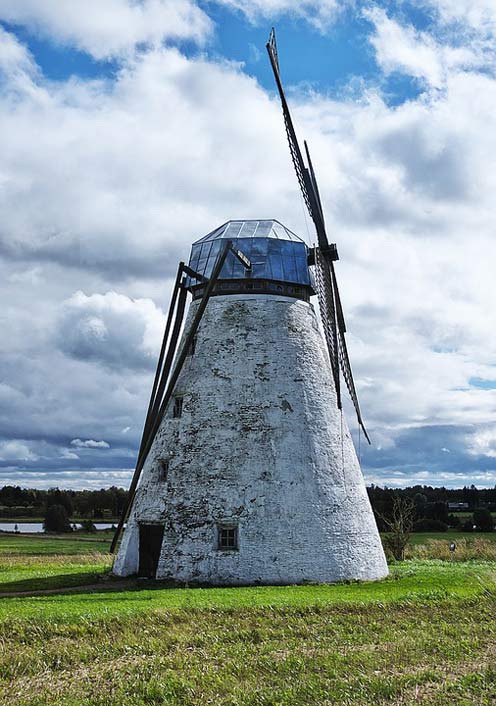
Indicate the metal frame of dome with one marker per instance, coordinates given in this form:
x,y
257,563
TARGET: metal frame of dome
x,y
269,228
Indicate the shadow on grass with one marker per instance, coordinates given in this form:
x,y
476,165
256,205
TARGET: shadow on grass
x,y
56,583
93,581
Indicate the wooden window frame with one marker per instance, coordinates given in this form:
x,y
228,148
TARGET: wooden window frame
x,y
227,537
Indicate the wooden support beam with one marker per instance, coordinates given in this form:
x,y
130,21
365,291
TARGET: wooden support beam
x,y
160,362
156,419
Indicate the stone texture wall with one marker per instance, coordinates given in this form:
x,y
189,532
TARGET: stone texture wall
x,y
260,444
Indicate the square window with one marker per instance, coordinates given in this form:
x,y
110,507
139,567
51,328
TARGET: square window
x,y
177,410
227,537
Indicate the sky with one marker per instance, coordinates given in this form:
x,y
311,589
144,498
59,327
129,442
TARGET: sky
x,y
130,129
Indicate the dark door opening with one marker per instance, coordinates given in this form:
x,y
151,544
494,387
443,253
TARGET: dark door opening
x,y
150,544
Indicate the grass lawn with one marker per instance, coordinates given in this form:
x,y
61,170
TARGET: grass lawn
x,y
426,635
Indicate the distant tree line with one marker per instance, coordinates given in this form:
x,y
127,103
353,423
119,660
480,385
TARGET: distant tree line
x,y
431,511
106,503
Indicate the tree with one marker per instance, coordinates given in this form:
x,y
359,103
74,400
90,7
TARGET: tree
x,y
60,497
437,511
57,519
88,526
483,520
420,501
399,526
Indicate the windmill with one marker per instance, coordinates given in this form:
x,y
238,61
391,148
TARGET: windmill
x,y
246,471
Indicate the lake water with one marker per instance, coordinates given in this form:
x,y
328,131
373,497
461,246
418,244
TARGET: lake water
x,y
32,527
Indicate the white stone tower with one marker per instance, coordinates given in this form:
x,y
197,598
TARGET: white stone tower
x,y
252,476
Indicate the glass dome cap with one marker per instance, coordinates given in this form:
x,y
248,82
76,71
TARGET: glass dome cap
x,y
275,252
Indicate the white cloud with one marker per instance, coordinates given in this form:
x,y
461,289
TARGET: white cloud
x,y
89,444
120,177
111,329
18,70
70,455
16,451
14,57
319,13
419,54
477,14
110,28
483,442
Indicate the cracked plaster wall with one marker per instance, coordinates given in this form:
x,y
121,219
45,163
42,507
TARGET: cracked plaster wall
x,y
260,444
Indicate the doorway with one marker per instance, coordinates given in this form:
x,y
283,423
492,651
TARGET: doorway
x,y
150,544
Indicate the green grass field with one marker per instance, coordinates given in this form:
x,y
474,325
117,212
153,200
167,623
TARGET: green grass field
x,y
426,635
37,544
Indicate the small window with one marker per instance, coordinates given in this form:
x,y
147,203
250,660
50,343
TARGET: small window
x,y
249,285
163,464
227,537
177,410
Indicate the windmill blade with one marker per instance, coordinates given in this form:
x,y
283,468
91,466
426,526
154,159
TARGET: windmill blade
x,y
327,306
330,307
294,148
344,360
314,184
306,176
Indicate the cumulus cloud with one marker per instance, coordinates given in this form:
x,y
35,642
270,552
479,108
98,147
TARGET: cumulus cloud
x,y
111,28
419,54
89,444
111,329
119,177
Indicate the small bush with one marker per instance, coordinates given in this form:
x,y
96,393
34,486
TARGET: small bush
x,y
483,520
430,525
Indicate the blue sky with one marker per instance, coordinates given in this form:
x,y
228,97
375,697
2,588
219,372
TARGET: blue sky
x,y
324,62
128,130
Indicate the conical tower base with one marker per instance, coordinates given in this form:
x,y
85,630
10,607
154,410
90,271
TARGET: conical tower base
x,y
255,480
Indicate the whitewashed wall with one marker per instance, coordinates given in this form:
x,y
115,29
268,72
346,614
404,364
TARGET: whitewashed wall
x,y
262,444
